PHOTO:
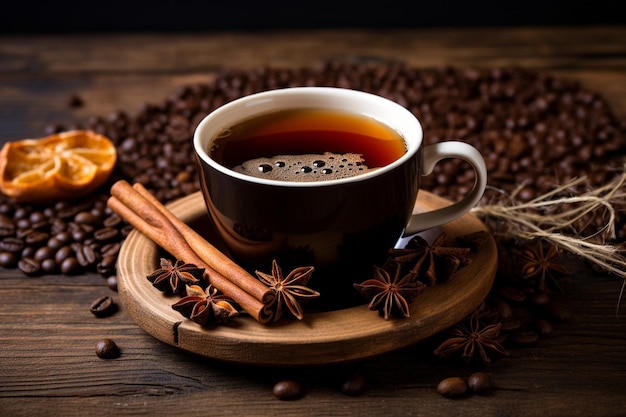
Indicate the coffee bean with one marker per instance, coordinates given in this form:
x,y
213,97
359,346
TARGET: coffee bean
x,y
525,337
539,298
557,312
87,218
354,385
126,230
288,389
29,266
107,349
452,387
63,253
543,327
79,235
23,226
36,237
64,238
75,101
112,282
510,325
479,382
7,225
12,244
28,252
21,213
70,266
85,255
112,221
37,217
8,259
107,266
102,306
57,226
105,234
49,266
44,252
502,308
110,249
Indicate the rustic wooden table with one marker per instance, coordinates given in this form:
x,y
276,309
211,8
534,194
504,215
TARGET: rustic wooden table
x,y
47,334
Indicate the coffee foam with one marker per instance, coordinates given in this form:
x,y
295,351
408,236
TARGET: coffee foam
x,y
305,168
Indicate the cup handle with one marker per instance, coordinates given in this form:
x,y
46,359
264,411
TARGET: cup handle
x,y
434,153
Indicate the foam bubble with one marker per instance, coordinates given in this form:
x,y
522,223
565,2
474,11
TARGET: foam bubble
x,y
303,168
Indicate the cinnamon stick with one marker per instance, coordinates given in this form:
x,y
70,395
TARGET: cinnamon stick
x,y
210,254
135,208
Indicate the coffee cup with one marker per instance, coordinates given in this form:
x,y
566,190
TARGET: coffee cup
x,y
337,221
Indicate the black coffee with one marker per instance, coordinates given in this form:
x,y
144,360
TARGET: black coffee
x,y
307,145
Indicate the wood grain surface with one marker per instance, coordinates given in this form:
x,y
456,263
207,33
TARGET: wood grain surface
x,y
47,334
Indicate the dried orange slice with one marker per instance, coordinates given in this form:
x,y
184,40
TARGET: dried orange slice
x,y
58,167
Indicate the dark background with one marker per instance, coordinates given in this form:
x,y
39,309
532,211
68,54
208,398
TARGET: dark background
x,y
20,16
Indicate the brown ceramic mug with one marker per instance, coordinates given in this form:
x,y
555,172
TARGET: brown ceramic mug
x,y
336,224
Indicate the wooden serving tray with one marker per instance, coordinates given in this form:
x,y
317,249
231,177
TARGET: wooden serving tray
x,y
321,337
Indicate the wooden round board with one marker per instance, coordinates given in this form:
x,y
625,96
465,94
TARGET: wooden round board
x,y
321,337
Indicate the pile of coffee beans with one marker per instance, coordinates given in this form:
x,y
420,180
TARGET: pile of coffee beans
x,y
65,237
534,130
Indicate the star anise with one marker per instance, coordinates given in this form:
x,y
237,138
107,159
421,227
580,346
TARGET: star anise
x,y
205,306
289,290
541,265
432,262
471,337
172,278
390,296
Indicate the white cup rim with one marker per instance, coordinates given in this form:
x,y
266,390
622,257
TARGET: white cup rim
x,y
377,107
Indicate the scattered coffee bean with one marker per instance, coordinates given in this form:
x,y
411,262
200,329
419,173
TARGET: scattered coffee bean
x,y
543,327
525,337
479,382
452,387
75,101
103,306
112,282
557,312
511,325
288,389
502,308
539,298
354,385
107,349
